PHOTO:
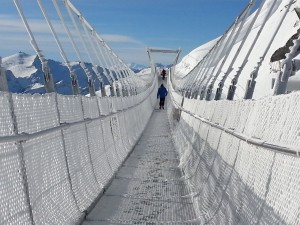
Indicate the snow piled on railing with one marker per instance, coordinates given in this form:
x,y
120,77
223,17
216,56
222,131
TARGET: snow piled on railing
x,y
232,180
73,147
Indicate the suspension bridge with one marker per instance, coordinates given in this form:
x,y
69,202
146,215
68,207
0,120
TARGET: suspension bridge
x,y
113,158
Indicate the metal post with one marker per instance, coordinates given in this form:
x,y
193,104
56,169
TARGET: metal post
x,y
3,80
91,88
48,79
251,85
74,84
283,77
112,89
102,89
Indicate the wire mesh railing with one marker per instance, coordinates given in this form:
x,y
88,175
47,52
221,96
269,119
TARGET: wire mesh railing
x,y
239,157
59,153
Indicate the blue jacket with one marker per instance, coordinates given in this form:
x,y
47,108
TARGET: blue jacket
x,y
162,92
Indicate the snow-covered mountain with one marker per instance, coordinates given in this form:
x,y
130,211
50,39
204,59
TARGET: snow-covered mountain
x,y
24,75
137,67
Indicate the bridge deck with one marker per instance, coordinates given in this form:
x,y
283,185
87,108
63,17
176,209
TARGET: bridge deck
x,y
147,189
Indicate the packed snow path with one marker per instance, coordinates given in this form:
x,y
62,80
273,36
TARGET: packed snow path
x,y
147,189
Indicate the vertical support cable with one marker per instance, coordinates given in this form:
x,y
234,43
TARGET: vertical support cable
x,y
74,80
220,52
252,81
48,79
70,7
234,81
66,3
81,63
230,67
105,67
232,42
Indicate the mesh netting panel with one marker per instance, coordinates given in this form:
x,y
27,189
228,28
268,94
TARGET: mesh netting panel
x,y
49,187
90,107
110,148
65,170
13,204
130,125
102,169
254,182
123,132
117,137
70,108
35,112
234,182
220,113
6,121
239,115
125,102
113,104
283,197
290,132
82,175
104,106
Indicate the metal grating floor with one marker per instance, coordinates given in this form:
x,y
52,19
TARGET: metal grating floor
x,y
147,189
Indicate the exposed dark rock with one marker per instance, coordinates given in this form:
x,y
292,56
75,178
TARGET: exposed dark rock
x,y
280,53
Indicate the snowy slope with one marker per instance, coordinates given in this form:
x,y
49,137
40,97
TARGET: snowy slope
x,y
20,64
189,61
24,74
264,81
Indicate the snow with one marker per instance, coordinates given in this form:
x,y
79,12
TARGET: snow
x,y
20,64
263,88
37,86
189,61
238,167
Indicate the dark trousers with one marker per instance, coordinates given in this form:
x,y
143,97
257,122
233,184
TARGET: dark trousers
x,y
161,102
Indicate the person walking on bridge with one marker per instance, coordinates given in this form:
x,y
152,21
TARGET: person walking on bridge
x,y
162,93
163,73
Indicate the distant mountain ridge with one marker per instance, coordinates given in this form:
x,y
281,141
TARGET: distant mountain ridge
x,y
24,74
137,67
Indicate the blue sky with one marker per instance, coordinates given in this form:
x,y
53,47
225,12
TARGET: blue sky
x,y
129,26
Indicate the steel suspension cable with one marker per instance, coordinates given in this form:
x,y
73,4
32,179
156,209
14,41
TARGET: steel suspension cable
x,y
79,56
94,66
245,38
253,75
73,76
234,81
49,84
232,42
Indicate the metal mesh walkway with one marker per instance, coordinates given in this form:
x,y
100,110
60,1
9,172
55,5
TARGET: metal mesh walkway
x,y
147,189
